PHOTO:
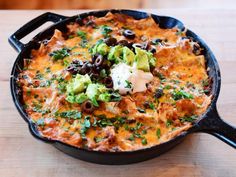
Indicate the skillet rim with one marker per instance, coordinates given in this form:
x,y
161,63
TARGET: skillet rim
x,y
215,86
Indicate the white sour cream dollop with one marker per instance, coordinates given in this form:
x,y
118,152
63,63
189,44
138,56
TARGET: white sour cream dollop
x,y
129,79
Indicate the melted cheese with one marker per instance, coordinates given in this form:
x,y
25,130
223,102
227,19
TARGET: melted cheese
x,y
150,118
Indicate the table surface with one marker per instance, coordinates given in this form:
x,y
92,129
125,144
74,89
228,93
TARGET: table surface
x,y
199,155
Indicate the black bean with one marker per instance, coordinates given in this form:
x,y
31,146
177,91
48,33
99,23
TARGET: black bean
x,y
129,34
110,41
87,107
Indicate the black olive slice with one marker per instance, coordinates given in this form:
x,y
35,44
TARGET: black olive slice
x,y
87,107
108,82
110,41
129,34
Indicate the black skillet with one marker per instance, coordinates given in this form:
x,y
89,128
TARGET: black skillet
x,y
210,122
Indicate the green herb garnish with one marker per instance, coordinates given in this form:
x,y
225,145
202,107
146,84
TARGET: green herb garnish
x,y
158,133
105,30
144,141
189,118
98,139
60,54
85,126
181,94
72,114
169,123
128,84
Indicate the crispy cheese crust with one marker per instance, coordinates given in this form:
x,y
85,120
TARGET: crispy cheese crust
x,y
138,120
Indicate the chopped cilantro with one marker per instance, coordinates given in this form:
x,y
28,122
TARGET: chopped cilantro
x,y
81,34
28,92
38,75
115,96
128,84
47,70
144,141
72,114
169,123
158,133
144,132
60,54
181,94
205,83
188,118
105,30
85,126
160,76
98,139
167,87
131,138
151,105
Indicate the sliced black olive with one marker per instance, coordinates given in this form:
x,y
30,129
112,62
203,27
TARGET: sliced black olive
x,y
72,69
123,43
110,41
99,60
130,121
45,41
158,93
108,82
77,62
87,107
196,49
145,46
156,41
94,58
87,68
129,34
146,104
152,49
137,45
94,76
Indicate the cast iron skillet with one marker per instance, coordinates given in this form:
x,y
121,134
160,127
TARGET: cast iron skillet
x,y
210,122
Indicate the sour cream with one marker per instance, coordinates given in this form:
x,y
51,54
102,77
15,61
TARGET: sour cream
x,y
129,79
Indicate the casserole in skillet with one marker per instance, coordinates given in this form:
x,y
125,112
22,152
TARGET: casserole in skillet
x,y
115,83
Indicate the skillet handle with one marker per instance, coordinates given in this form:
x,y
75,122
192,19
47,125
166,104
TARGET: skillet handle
x,y
14,39
214,125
